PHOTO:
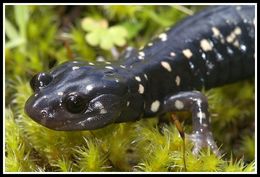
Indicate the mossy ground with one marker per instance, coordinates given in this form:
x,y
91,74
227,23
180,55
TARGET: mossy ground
x,y
36,39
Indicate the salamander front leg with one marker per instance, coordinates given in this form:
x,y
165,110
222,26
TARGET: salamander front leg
x,y
197,104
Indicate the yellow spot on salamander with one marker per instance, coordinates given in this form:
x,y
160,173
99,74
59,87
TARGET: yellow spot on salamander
x,y
155,106
216,32
178,80
179,104
141,89
236,43
205,45
187,53
237,31
166,65
231,38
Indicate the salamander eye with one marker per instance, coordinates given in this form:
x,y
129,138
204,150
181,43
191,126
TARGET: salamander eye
x,y
75,103
40,80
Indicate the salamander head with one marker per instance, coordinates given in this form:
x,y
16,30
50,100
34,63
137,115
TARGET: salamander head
x,y
74,96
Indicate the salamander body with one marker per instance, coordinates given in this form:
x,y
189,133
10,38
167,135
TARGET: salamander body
x,y
209,49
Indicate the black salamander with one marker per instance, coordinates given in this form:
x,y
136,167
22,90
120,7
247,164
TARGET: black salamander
x,y
212,48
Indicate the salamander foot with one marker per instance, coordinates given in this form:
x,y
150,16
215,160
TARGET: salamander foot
x,y
201,140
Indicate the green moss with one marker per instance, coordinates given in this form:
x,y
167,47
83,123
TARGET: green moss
x,y
133,146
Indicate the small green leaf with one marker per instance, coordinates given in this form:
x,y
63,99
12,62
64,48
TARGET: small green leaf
x,y
106,42
132,28
15,42
21,17
10,30
156,18
92,39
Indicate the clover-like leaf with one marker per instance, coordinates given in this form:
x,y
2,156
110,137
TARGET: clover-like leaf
x,y
100,35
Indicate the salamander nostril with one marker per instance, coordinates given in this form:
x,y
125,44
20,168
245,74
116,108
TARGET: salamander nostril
x,y
40,80
44,113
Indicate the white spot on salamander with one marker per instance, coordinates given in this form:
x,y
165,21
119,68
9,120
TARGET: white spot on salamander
x,y
145,76
232,36
237,31
201,115
238,8
163,36
138,78
60,93
109,67
187,53
243,47
150,44
166,65
178,80
122,66
75,67
89,87
90,63
141,89
216,32
173,54
179,104
155,106
236,43
100,59
141,55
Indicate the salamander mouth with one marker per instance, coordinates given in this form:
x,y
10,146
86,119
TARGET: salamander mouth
x,y
53,121
76,124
